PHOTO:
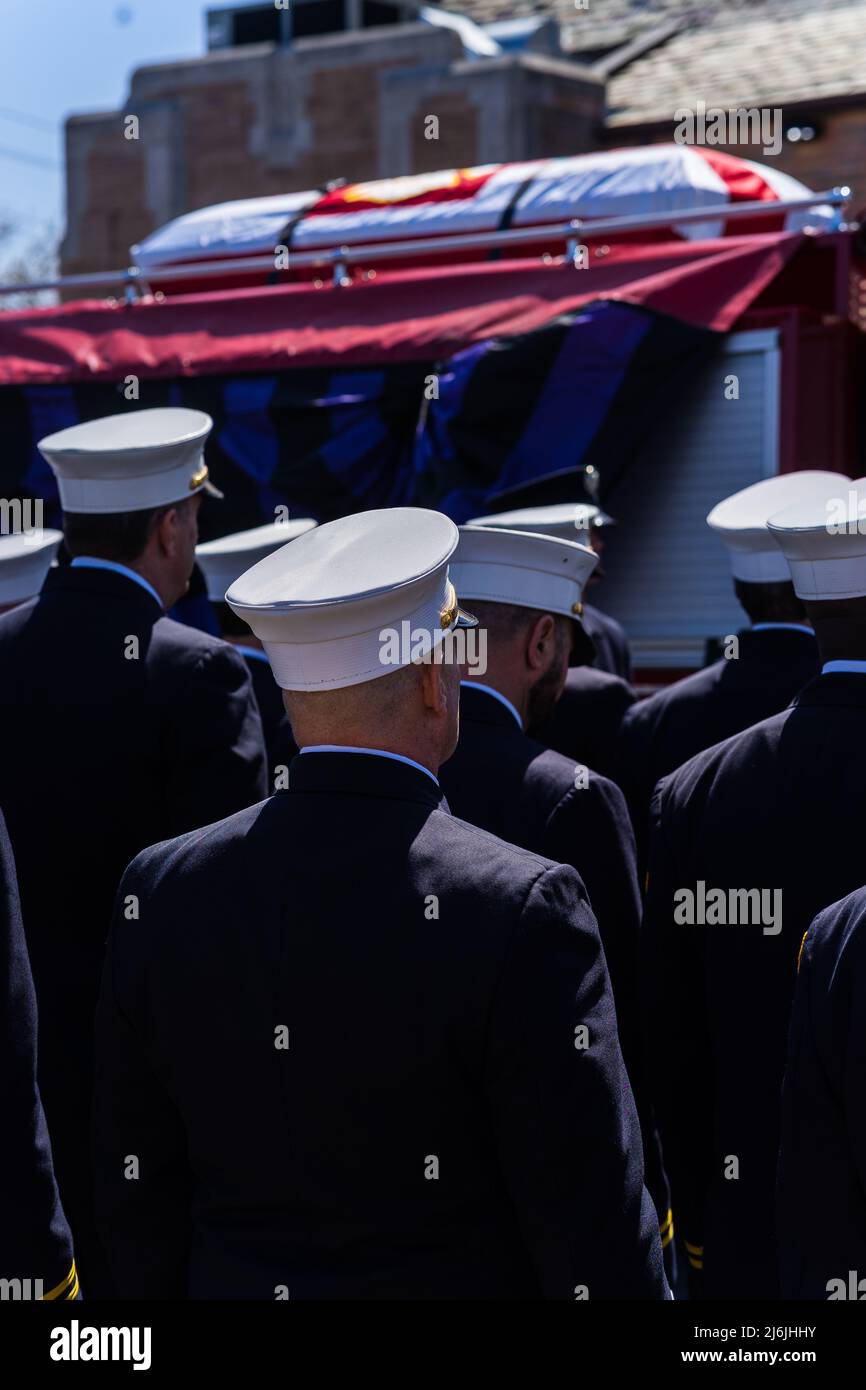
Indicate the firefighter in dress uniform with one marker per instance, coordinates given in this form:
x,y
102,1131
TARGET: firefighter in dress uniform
x,y
118,727
406,1021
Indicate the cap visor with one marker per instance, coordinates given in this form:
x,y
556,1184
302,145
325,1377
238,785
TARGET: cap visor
x,y
208,487
464,619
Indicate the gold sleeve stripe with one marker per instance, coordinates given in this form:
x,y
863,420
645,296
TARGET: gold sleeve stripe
x,y
802,948
61,1289
695,1263
73,1292
666,1239
668,1221
694,1249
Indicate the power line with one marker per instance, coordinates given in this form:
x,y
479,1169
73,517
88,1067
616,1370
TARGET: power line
x,y
23,118
24,158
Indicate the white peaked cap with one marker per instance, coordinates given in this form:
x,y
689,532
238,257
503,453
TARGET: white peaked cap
x,y
25,559
324,604
824,542
564,519
524,568
130,462
741,520
224,559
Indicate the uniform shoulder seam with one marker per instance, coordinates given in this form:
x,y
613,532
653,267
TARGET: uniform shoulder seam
x,y
516,851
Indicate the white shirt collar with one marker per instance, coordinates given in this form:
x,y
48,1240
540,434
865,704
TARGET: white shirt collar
x,y
371,752
92,562
782,627
497,695
832,668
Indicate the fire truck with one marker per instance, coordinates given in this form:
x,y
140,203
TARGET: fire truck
x,y
676,320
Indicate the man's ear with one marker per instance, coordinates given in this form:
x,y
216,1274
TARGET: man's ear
x,y
166,532
541,643
172,528
433,686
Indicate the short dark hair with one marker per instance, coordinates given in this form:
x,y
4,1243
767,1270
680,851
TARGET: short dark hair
x,y
118,536
505,620
770,603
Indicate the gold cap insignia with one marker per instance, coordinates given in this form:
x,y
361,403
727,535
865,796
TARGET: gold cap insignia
x,y
198,477
448,615
578,609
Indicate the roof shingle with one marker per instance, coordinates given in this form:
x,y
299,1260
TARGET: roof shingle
x,y
743,52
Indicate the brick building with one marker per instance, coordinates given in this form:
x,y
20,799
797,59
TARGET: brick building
x,y
342,91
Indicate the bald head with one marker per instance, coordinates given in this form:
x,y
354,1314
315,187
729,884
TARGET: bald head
x,y
413,711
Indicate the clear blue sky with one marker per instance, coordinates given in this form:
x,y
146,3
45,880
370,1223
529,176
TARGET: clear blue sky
x,y
60,56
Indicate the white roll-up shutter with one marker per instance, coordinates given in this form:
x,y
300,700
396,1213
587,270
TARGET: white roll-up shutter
x,y
668,580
